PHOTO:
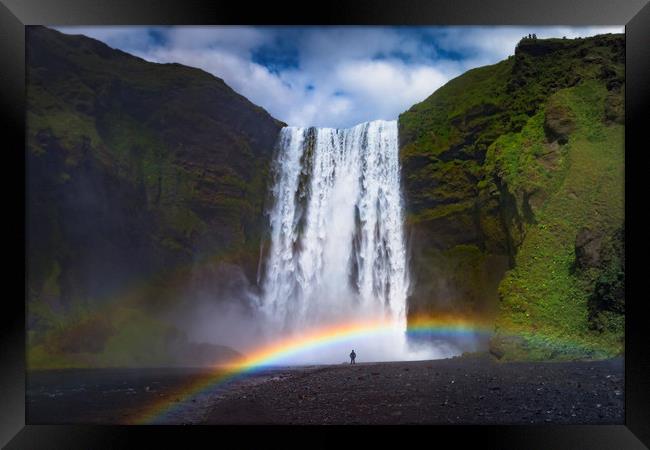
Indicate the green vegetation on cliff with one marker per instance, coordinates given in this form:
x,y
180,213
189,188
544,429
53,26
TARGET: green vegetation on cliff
x,y
512,161
135,172
545,295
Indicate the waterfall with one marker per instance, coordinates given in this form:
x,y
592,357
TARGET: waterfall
x,y
337,239
337,250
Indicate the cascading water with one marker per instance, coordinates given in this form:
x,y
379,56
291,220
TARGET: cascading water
x,y
337,242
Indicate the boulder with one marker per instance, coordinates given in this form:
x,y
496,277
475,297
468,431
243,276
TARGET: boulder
x,y
588,247
559,122
615,108
500,345
607,301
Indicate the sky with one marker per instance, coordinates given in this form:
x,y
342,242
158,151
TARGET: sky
x,y
328,76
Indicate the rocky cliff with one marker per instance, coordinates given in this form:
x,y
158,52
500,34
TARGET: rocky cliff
x,y
503,168
137,174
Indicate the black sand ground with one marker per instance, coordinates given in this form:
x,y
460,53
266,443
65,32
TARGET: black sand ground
x,y
458,390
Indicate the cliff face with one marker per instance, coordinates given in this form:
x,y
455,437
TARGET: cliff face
x,y
503,166
136,172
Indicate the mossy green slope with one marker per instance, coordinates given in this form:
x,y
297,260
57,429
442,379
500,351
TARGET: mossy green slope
x,y
136,173
492,162
544,298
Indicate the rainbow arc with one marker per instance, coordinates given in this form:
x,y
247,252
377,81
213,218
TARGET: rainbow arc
x,y
273,353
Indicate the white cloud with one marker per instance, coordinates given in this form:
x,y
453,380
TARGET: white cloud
x,y
344,75
387,87
234,38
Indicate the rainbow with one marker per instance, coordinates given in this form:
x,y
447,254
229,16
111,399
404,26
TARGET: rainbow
x,y
269,355
273,353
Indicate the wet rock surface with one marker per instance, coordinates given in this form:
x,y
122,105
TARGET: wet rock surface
x,y
472,390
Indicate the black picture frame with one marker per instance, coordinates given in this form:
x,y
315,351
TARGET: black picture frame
x,y
16,14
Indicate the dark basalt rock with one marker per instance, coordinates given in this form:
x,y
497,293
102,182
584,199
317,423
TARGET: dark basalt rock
x,y
615,106
588,248
543,47
500,345
607,301
559,123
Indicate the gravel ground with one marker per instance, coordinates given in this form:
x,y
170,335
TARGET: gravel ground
x,y
470,390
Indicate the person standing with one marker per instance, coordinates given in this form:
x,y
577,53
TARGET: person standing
x,y
352,357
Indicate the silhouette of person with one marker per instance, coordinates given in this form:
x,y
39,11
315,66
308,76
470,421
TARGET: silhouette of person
x,y
352,356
